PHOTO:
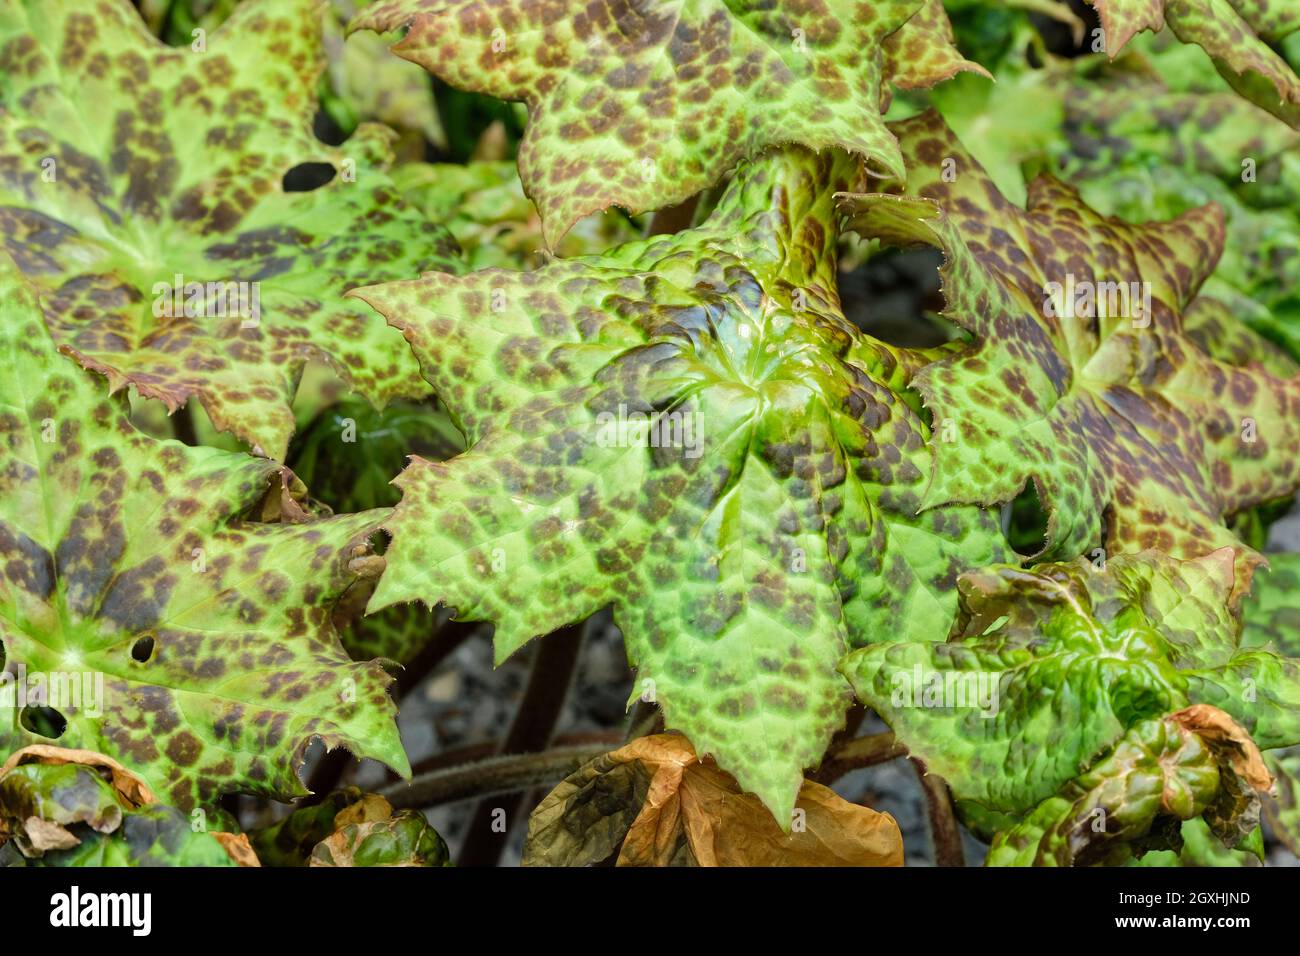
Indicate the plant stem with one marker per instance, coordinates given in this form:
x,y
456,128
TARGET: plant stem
x,y
183,426
491,777
534,722
855,753
673,219
473,753
944,830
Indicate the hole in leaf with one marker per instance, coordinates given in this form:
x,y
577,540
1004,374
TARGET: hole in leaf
x,y
44,721
894,297
142,649
305,177
1024,520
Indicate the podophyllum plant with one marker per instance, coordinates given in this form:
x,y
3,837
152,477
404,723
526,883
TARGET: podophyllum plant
x,y
793,521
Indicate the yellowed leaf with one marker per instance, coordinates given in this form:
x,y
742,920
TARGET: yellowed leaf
x,y
654,803
129,787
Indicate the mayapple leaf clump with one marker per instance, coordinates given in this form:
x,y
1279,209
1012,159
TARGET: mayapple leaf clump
x,y
686,428
1196,764
192,645
141,189
1081,376
1048,667
642,105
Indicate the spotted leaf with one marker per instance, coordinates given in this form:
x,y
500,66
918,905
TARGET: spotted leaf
x,y
644,105
166,631
1081,376
141,188
1234,33
1049,668
686,428
1192,765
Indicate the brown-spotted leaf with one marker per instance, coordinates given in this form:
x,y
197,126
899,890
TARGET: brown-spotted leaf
x,y
1232,32
1080,376
1194,763
141,188
654,803
686,428
643,105
163,628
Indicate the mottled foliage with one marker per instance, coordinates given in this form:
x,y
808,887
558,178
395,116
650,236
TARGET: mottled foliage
x,y
1081,376
141,189
187,642
1049,668
1192,764
688,429
1233,32
77,808
643,105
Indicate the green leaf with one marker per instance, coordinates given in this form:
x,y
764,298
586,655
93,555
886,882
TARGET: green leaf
x,y
766,522
403,839
125,164
923,51
1048,668
1272,611
644,106
190,644
351,828
483,205
1283,809
1135,799
1232,32
1134,437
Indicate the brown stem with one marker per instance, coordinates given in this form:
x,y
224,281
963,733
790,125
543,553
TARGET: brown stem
x,y
530,731
183,426
944,830
492,776
472,753
673,219
855,753
446,641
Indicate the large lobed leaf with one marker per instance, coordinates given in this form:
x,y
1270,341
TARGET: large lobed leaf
x,y
126,560
125,163
644,105
775,524
1134,436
